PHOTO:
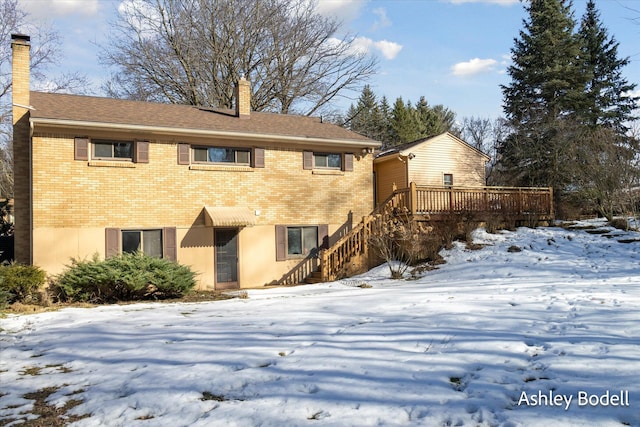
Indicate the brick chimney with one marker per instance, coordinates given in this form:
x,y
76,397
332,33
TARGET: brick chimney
x,y
242,95
21,46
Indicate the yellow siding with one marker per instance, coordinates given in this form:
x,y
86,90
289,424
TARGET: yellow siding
x,y
73,199
389,172
445,155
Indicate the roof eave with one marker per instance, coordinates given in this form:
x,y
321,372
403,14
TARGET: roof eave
x,y
173,131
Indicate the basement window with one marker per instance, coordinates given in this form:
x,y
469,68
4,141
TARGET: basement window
x,y
149,242
301,241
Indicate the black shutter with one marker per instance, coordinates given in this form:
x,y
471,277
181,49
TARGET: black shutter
x,y
169,246
258,158
81,149
307,160
141,152
184,154
112,242
281,243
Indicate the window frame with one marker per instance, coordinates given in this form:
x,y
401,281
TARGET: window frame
x,y
282,241
113,143
316,155
444,179
141,232
302,229
235,150
113,244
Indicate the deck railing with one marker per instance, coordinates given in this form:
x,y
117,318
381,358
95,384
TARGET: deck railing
x,y
432,202
516,201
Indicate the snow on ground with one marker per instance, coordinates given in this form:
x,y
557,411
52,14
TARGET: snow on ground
x,y
492,337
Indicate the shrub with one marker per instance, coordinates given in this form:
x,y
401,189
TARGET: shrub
x,y
620,224
20,283
127,277
400,242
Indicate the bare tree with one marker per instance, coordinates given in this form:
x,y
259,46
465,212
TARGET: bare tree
x,y
485,135
44,53
194,51
608,171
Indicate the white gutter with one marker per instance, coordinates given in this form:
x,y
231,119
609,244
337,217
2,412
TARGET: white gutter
x,y
159,130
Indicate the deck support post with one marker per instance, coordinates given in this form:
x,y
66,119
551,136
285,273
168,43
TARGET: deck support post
x,y
413,198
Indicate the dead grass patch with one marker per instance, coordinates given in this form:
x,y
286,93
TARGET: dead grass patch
x,y
49,415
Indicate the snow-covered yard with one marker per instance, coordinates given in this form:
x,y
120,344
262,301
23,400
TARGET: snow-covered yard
x,y
492,337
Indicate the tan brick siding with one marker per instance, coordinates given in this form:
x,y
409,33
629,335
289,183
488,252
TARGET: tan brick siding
x,y
21,164
69,193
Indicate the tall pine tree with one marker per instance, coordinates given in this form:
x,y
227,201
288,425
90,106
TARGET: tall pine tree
x,y
403,123
607,101
365,117
544,94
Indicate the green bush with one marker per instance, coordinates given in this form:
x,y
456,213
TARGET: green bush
x,y
127,277
20,283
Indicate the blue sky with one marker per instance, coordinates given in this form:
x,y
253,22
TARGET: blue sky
x,y
453,52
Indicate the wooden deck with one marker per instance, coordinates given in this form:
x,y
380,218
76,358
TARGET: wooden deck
x,y
518,203
433,204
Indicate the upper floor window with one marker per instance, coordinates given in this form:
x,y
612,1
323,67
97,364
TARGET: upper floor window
x,y
448,180
238,156
328,161
220,156
109,150
103,149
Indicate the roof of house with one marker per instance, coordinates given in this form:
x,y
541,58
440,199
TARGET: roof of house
x,y
404,148
89,112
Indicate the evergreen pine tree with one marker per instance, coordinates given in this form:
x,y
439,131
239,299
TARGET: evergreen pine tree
x,y
361,116
385,126
605,101
403,123
545,91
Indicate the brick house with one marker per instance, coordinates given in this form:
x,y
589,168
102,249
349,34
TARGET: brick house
x,y
242,197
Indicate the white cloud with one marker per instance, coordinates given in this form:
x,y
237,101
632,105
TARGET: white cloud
x,y
473,66
52,8
498,2
383,20
344,10
388,49
633,94
140,15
